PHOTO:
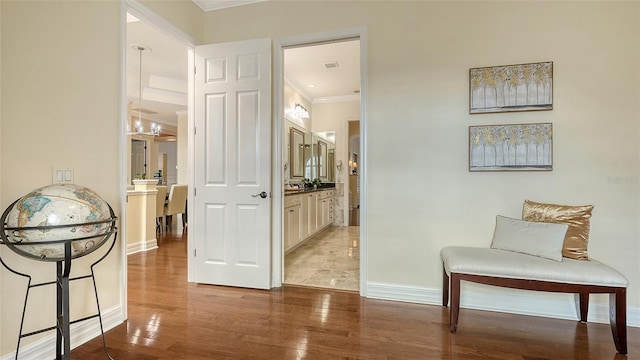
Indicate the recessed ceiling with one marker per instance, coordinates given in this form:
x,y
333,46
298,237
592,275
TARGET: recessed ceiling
x,y
164,72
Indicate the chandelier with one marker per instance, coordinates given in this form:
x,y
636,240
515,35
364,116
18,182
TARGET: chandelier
x,y
139,128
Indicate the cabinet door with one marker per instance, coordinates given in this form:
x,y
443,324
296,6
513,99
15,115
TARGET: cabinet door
x,y
292,226
305,216
324,212
312,213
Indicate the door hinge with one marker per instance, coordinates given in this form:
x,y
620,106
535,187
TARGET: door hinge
x,y
195,191
195,253
194,131
195,69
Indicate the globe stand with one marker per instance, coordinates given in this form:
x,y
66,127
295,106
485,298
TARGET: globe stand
x,y
63,270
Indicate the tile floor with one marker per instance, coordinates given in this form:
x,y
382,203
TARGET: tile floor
x,y
330,259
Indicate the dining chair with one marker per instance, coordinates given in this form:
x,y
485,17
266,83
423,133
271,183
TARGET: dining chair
x,y
177,204
161,198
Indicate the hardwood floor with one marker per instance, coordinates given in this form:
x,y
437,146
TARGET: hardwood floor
x,y
172,319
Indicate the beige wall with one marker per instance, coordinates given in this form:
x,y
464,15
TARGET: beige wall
x,y
421,196
183,14
60,85
64,57
1,277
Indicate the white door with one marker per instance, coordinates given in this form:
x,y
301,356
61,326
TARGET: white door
x,y
233,164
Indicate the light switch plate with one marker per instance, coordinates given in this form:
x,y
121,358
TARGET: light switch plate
x,y
62,175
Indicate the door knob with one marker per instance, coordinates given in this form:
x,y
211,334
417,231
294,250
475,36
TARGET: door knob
x,y
262,195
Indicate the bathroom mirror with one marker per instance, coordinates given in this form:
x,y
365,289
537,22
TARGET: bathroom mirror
x,y
296,153
331,163
322,160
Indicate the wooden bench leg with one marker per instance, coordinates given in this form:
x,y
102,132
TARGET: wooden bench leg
x,y
618,318
582,306
445,287
455,302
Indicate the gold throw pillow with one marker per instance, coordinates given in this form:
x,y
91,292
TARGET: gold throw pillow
x,y
577,217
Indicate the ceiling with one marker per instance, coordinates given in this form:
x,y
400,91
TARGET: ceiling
x,y
325,72
164,72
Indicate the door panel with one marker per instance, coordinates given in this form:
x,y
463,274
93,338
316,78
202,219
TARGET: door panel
x,y
232,234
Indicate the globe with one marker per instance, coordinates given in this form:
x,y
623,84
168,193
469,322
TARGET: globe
x,y
40,223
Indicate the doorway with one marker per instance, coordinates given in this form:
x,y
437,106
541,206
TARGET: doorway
x,y
138,159
354,177
322,78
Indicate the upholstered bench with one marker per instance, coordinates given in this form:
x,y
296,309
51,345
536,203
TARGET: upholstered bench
x,y
522,271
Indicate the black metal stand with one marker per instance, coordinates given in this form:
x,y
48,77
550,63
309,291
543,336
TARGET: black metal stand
x,y
63,269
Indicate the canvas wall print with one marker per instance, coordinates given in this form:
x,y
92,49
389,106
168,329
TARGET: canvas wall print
x,y
511,147
524,87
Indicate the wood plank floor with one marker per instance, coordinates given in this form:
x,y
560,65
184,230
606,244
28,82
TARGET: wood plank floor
x,y
172,319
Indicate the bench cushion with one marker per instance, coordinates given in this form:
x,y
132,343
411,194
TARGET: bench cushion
x,y
508,264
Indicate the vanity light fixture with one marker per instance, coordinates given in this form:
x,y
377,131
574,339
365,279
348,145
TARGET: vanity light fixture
x,y
353,166
301,112
139,128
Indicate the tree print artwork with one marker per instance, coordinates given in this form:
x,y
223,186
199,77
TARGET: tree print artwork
x,y
523,87
511,147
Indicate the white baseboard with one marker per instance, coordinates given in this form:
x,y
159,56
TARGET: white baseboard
x,y
142,246
81,332
559,306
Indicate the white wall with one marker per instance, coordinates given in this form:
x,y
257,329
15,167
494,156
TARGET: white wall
x,y
421,196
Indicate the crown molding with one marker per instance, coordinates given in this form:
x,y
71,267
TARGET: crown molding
x,y
297,87
211,5
340,98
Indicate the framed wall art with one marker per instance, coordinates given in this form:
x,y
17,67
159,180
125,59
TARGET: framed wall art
x,y
511,147
523,87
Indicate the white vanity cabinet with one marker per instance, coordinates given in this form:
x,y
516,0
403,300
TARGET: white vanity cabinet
x,y
309,213
292,221
325,209
306,214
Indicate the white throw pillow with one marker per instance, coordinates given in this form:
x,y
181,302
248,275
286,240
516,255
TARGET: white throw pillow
x,y
533,238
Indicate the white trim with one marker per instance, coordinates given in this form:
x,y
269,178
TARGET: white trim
x,y
159,23
278,114
191,60
124,169
557,306
404,293
341,98
277,164
211,5
297,87
364,268
80,333
142,246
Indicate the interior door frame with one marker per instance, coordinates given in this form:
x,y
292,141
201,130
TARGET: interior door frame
x,y
277,211
144,14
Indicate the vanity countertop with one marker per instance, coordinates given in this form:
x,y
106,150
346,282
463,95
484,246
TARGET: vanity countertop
x,y
294,191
